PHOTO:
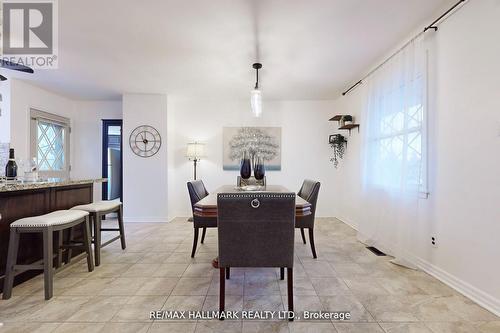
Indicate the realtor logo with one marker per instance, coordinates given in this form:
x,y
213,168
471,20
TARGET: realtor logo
x,y
29,32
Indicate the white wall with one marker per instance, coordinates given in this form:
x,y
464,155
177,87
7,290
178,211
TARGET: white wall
x,y
305,150
87,138
86,146
145,179
464,161
5,114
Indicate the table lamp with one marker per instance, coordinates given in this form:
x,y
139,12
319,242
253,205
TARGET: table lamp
x,y
195,151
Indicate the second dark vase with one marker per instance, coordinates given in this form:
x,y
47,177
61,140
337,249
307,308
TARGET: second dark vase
x,y
246,168
259,170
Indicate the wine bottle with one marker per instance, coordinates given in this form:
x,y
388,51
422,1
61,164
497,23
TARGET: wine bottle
x,y
11,167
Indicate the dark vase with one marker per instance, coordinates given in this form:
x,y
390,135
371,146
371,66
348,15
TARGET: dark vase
x,y
259,169
246,167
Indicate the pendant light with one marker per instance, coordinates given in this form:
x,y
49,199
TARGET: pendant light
x,y
256,93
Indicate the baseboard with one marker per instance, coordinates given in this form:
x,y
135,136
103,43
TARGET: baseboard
x,y
138,219
489,302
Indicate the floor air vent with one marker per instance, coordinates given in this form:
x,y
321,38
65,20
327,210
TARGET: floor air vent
x,y
376,251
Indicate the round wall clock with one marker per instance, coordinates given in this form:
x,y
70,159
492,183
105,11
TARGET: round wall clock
x,y
145,141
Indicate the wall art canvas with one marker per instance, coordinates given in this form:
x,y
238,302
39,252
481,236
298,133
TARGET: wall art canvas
x,y
262,142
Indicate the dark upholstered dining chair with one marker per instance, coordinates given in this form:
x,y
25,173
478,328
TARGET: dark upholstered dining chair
x,y
197,191
256,230
309,192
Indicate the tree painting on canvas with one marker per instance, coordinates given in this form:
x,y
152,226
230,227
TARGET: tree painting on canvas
x,y
264,142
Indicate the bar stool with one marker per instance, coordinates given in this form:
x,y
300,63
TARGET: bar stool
x,y
97,210
45,224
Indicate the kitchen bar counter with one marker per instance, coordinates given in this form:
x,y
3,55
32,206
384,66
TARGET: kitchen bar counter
x,y
20,186
31,199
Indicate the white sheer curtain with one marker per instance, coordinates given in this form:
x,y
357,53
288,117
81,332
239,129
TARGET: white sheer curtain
x,y
394,152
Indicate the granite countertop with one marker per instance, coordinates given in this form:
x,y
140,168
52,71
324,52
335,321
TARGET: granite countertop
x,y
20,186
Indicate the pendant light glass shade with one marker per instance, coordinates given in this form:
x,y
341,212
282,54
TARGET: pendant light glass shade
x,y
256,102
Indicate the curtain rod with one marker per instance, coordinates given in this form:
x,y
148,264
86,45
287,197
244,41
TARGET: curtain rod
x,y
430,26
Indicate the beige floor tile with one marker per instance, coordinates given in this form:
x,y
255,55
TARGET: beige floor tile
x,y
318,269
232,303
14,327
261,285
126,328
192,286
304,303
405,328
109,270
309,327
79,327
358,328
98,309
123,287
301,287
157,272
179,258
436,309
467,309
262,303
88,287
233,286
392,308
330,286
199,270
184,303
170,270
451,327
365,286
488,327
141,270
154,257
346,303
59,309
172,327
138,308
157,286
218,326
253,326
20,308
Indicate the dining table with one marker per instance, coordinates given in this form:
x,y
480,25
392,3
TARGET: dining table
x,y
207,207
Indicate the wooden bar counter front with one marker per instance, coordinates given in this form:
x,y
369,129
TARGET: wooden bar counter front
x,y
31,199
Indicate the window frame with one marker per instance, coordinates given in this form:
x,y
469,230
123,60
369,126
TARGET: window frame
x,y
35,116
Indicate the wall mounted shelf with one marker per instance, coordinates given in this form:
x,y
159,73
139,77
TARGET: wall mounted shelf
x,y
349,127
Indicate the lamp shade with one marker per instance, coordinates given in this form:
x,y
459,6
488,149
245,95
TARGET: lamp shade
x,y
256,102
195,150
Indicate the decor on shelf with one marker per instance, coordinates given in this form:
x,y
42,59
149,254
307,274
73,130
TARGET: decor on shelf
x,y
338,143
145,141
256,93
345,122
264,142
246,166
259,170
195,151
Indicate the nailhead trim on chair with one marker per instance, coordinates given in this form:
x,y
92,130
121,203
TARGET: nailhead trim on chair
x,y
59,217
256,194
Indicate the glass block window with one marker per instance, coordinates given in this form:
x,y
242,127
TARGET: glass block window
x,y
50,144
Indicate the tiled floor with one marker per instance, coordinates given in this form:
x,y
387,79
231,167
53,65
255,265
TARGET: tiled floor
x,y
156,272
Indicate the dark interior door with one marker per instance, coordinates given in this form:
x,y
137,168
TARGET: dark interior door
x,y
112,159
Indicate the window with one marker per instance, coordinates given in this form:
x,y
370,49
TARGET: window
x,y
50,144
396,122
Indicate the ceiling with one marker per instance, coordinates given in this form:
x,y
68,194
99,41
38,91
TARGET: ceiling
x,y
310,49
